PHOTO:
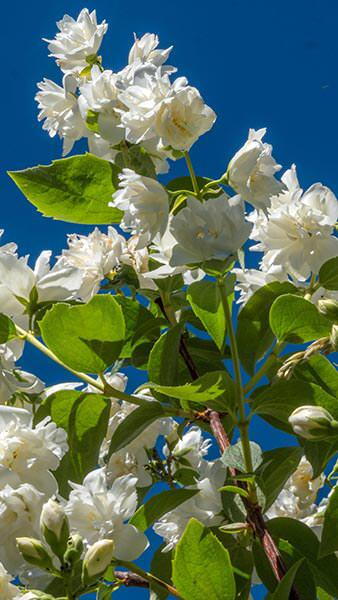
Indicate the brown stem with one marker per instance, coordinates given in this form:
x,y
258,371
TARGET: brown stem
x,y
254,512
130,579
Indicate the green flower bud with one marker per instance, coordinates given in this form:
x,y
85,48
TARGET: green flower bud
x,y
34,552
74,549
334,337
312,422
329,308
54,526
97,559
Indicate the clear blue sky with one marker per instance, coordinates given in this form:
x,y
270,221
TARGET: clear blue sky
x,y
257,62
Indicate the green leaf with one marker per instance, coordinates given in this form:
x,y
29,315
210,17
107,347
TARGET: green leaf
x,y
296,320
282,591
203,390
328,274
202,567
133,425
329,541
85,419
276,403
7,329
161,568
159,505
302,538
206,301
164,357
254,335
319,370
86,337
275,470
233,456
319,453
141,325
136,158
76,189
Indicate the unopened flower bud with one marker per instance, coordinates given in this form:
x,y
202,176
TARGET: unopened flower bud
x,y
334,338
312,422
34,552
74,549
36,595
97,559
329,308
54,526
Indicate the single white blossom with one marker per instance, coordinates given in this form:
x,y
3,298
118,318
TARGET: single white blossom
x,y
298,231
138,259
13,379
174,114
20,509
96,510
213,229
251,172
297,498
95,256
27,454
145,204
206,506
77,42
18,282
191,446
145,50
59,109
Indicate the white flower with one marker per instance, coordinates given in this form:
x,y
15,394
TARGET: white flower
x,y
145,50
161,252
191,446
133,457
77,42
100,95
59,107
249,281
18,281
183,118
19,516
206,506
213,229
95,255
145,204
97,511
298,231
172,113
8,591
27,454
297,499
251,171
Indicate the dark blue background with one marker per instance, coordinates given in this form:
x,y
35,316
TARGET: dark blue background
x,y
257,62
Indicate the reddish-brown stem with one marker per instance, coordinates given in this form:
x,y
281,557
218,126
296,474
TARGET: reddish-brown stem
x,y
130,579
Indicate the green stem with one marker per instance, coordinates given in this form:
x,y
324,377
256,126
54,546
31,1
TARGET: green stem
x,y
149,577
208,186
192,174
243,423
107,389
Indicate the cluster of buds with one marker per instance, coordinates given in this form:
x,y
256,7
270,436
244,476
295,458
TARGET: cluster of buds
x,y
313,422
67,548
324,345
